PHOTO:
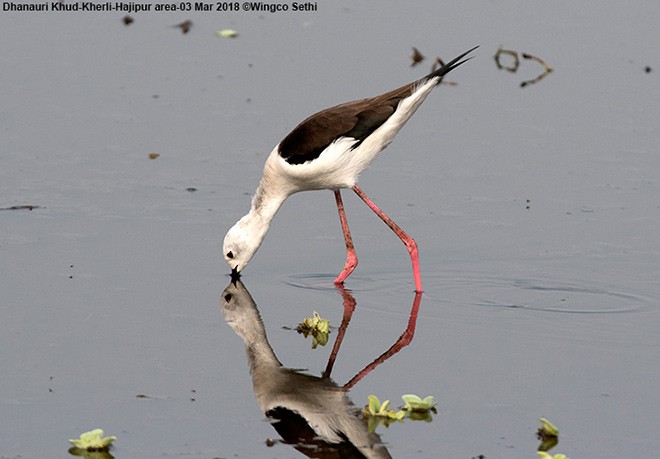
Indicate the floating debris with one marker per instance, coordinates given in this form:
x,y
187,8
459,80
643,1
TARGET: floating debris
x,y
548,70
185,26
24,207
516,64
154,155
648,69
127,20
507,52
416,57
227,33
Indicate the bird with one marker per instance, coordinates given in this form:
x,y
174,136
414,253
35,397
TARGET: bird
x,y
329,150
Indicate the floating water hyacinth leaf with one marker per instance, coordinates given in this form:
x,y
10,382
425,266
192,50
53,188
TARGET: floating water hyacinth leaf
x,y
545,455
376,408
227,33
547,429
376,412
93,441
414,403
316,326
416,57
548,434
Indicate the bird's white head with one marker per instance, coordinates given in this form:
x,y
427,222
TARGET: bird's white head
x,y
243,240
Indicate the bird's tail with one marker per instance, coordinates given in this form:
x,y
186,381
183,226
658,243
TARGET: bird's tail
x,y
449,66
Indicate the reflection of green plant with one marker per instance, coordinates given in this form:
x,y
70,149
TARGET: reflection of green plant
x,y
377,412
548,434
415,404
93,441
317,327
545,455
90,455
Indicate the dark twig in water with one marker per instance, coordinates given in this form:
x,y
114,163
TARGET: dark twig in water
x,y
508,52
25,207
516,64
185,26
548,70
417,57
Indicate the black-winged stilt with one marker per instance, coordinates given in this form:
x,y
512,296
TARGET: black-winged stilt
x,y
328,150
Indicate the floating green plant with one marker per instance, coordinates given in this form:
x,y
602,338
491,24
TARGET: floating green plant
x,y
93,441
418,409
377,412
227,33
545,455
316,326
415,404
547,429
548,434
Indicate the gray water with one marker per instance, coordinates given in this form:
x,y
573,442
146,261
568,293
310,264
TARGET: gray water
x,y
536,211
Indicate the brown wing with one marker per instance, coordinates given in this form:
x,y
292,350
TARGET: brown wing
x,y
357,120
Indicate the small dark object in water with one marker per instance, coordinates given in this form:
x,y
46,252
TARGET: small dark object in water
x,y
417,57
127,20
25,207
185,26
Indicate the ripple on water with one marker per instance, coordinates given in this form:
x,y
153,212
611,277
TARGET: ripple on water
x,y
538,294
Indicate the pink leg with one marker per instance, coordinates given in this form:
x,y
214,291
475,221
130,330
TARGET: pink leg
x,y
351,257
409,242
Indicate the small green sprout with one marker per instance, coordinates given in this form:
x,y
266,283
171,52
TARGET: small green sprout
x,y
227,33
545,455
93,441
316,326
377,412
547,429
548,434
415,404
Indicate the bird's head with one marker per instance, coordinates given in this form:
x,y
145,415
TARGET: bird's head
x,y
242,242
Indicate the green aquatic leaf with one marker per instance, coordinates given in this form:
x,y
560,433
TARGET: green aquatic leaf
x,y
548,429
374,405
227,33
93,441
377,409
544,455
414,403
316,326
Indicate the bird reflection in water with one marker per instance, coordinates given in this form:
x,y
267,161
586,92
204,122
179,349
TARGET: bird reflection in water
x,y
312,413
